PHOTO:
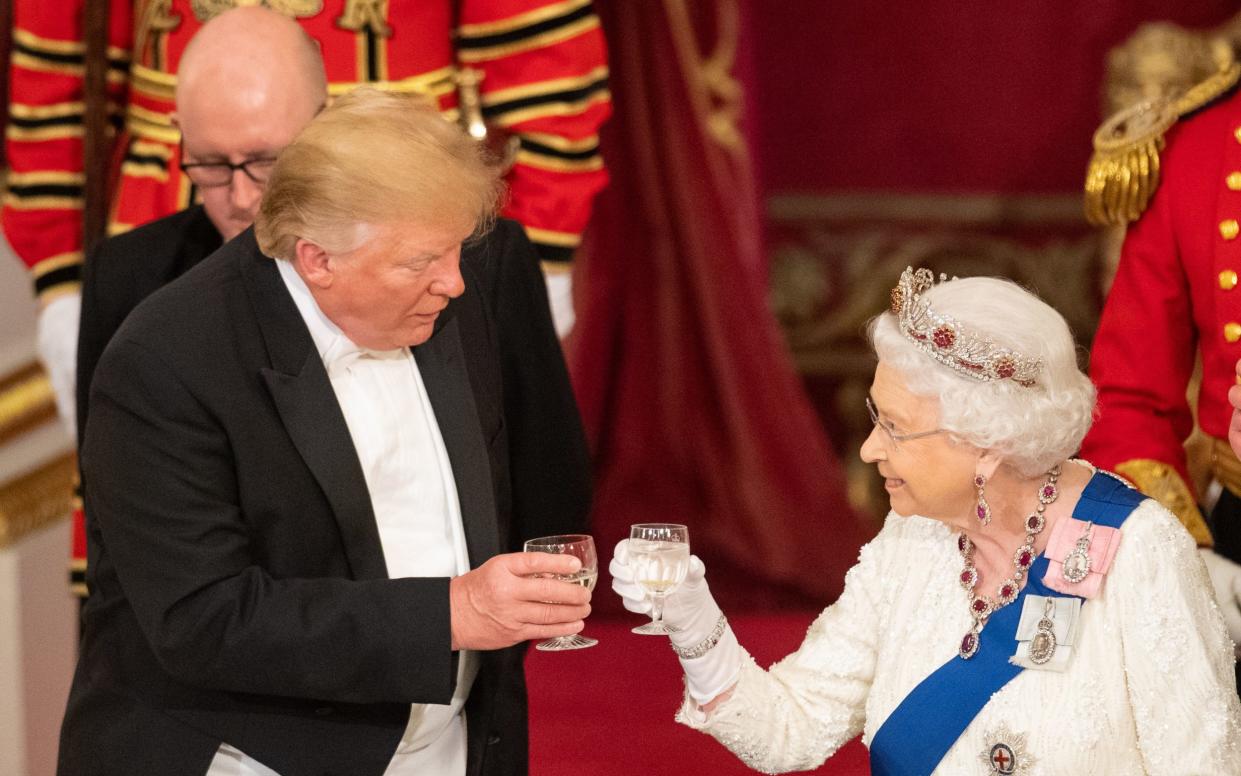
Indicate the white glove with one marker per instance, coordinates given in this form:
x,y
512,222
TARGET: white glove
x,y
1226,579
692,614
58,350
560,297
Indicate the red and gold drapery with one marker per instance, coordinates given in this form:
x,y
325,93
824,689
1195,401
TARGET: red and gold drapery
x,y
693,407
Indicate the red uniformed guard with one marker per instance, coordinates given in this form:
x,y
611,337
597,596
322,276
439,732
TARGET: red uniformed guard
x,y
1175,295
543,80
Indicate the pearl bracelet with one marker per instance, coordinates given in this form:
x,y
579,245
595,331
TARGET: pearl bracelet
x,y
704,646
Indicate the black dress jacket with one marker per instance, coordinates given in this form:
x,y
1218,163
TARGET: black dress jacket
x,y
238,587
126,269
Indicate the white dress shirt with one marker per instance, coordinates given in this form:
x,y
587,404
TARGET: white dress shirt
x,y
414,499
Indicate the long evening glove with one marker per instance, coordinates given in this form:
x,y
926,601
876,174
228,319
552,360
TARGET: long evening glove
x,y
693,614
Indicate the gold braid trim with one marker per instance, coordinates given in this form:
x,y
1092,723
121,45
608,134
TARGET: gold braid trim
x,y
1162,483
1124,171
36,500
26,400
1209,89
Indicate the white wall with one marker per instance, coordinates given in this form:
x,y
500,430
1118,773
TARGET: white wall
x,y
17,309
38,645
38,630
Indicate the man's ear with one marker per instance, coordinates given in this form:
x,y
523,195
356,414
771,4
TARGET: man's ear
x,y
313,264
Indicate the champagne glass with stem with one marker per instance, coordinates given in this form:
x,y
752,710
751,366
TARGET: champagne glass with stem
x,y
582,547
659,557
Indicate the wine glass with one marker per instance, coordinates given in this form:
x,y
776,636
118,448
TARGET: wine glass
x,y
582,547
659,557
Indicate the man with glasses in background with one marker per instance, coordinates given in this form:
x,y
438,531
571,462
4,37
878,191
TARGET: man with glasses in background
x,y
238,104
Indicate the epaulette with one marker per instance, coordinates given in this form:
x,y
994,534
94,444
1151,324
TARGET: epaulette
x,y
1124,170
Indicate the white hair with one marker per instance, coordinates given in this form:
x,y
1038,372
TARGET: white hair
x,y
1033,427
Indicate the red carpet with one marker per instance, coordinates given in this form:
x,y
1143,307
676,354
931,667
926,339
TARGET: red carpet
x,y
607,710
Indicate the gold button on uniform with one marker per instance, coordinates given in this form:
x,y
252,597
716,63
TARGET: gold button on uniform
x,y
1237,134
1233,181
1232,331
1229,228
1228,279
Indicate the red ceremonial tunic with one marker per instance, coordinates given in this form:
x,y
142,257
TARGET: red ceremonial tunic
x,y
544,81
1175,295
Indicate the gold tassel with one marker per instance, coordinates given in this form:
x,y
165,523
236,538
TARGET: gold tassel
x,y
1124,171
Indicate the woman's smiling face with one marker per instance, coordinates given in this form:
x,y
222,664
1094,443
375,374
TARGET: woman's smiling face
x,y
932,475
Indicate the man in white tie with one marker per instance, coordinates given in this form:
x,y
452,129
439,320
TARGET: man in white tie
x,y
302,475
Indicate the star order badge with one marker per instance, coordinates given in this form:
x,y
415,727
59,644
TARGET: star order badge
x,y
1005,753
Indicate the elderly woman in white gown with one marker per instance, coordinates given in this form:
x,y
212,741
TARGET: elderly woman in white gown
x,y
1020,612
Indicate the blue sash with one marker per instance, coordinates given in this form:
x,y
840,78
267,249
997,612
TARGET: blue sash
x,y
921,730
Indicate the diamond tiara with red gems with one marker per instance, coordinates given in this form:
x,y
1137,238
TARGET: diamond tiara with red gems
x,y
949,342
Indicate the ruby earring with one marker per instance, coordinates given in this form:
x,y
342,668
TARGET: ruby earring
x,y
982,510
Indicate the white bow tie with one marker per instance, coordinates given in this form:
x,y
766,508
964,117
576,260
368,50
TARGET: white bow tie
x,y
343,354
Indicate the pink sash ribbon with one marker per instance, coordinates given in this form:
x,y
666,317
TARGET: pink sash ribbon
x,y
1103,544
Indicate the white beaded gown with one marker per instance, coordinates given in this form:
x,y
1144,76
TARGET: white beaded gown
x,y
1149,688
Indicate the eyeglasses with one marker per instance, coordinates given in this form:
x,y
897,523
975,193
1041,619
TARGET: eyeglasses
x,y
887,427
210,174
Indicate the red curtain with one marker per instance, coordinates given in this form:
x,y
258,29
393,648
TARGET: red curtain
x,y
691,402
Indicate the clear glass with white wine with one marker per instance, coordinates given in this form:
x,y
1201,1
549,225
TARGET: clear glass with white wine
x,y
659,557
581,547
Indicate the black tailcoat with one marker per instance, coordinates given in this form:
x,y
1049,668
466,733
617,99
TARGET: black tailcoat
x,y
238,587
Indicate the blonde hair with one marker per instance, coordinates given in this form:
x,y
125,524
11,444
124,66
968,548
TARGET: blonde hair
x,y
375,158
1034,427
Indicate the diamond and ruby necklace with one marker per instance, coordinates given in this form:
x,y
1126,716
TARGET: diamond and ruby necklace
x,y
981,606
